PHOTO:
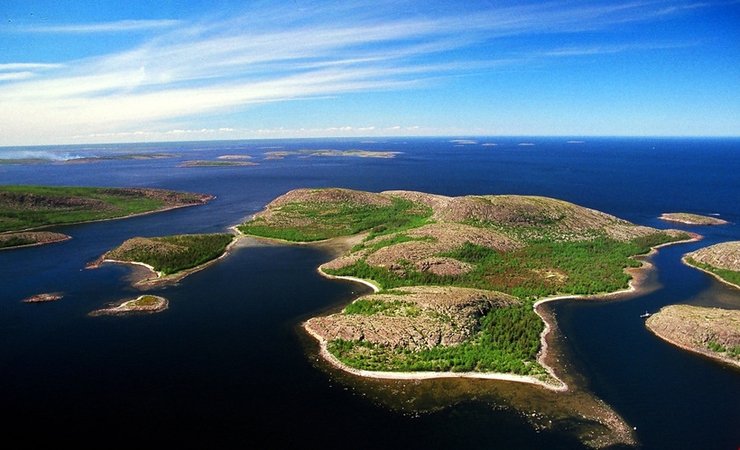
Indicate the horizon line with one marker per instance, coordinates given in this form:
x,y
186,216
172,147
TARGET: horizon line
x,y
389,137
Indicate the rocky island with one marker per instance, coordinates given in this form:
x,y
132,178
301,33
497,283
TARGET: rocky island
x,y
722,261
225,162
692,219
24,208
712,332
142,304
456,278
44,298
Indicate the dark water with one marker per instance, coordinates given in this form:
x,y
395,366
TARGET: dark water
x,y
225,365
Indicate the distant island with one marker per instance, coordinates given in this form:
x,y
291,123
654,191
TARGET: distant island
x,y
142,304
87,159
458,280
24,208
330,152
692,219
722,261
712,332
30,239
44,298
224,162
169,258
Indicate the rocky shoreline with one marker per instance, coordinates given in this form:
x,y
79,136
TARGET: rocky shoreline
x,y
142,304
710,332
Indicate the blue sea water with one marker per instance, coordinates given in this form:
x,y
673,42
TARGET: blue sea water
x,y
225,364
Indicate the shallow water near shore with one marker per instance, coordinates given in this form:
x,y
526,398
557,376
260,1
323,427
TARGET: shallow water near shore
x,y
226,364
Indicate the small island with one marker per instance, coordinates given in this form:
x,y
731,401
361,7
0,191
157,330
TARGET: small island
x,y
30,239
458,280
722,261
44,298
692,219
170,258
218,163
352,153
712,332
143,304
24,208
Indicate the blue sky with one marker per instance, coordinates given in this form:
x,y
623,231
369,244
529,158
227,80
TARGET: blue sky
x,y
111,71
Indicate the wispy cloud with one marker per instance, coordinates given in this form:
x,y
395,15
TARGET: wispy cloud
x,y
611,49
222,66
118,26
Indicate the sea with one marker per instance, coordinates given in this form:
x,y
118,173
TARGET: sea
x,y
227,365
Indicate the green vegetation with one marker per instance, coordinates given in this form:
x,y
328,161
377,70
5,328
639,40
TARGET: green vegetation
x,y
26,207
393,240
731,276
528,247
368,307
537,270
172,254
16,241
308,222
147,300
733,352
507,342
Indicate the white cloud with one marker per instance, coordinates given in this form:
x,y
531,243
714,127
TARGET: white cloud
x,y
99,27
27,66
277,55
9,76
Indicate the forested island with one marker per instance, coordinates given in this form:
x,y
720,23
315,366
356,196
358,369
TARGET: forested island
x,y
170,258
456,278
25,208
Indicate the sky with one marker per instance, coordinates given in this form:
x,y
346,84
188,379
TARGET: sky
x,y
110,71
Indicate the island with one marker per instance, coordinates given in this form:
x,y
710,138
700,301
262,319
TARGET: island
x,y
692,219
119,157
712,332
169,258
24,208
142,304
233,157
217,163
44,298
722,261
30,238
458,281
328,152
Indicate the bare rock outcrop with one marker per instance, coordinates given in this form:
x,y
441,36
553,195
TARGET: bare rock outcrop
x,y
713,332
725,255
413,318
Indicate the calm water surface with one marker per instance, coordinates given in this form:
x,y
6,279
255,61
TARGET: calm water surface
x,y
225,363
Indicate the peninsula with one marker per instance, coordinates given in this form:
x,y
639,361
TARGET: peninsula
x,y
24,208
456,278
692,219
